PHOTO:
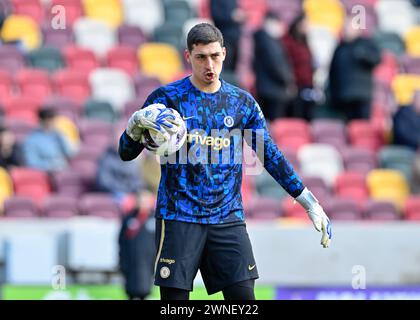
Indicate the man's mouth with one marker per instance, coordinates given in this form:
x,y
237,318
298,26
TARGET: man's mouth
x,y
210,75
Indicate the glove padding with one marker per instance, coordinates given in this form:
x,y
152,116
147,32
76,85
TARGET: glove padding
x,y
153,117
317,215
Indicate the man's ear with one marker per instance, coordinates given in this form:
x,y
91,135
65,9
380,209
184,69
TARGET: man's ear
x,y
224,53
187,55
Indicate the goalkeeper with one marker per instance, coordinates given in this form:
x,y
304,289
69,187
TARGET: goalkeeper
x,y
199,215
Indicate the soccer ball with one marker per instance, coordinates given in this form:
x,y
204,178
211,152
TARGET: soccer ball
x,y
154,141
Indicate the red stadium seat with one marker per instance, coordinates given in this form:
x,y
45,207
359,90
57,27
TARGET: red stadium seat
x,y
262,208
30,183
124,58
68,183
363,134
60,206
80,59
352,185
294,210
20,207
290,133
342,209
72,84
31,8
24,108
381,210
359,159
6,84
412,208
34,83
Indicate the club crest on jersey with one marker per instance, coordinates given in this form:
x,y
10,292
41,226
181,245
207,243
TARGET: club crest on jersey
x,y
228,121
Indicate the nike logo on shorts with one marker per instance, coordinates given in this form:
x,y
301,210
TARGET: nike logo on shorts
x,y
250,268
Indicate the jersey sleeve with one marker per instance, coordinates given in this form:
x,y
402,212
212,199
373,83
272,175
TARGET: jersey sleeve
x,y
271,157
128,148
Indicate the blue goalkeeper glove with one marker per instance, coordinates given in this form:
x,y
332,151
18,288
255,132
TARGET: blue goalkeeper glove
x,y
315,212
153,117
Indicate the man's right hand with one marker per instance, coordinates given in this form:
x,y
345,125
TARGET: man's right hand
x,y
153,117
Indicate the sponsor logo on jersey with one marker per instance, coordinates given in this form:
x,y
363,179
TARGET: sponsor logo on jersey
x,y
217,143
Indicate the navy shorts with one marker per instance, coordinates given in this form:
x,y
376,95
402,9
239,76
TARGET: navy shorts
x,y
223,253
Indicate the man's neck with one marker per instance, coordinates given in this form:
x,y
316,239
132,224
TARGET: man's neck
x,y
207,88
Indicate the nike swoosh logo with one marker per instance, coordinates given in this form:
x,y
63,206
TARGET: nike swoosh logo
x,y
186,118
250,268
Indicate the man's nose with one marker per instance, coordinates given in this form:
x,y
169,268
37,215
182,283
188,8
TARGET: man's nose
x,y
209,63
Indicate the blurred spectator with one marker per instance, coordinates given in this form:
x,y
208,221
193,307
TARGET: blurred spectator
x,y
406,127
350,77
45,148
137,247
10,152
300,57
274,78
119,178
228,17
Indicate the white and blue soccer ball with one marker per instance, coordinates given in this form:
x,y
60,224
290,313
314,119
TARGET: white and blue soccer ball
x,y
173,140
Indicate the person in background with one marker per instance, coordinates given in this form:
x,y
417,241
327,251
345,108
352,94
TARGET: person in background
x,y
10,151
406,124
45,148
275,87
137,247
228,17
350,75
299,54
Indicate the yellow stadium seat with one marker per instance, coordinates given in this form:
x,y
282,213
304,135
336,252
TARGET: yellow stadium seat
x,y
404,86
108,11
23,28
6,187
412,41
69,130
387,184
160,60
326,13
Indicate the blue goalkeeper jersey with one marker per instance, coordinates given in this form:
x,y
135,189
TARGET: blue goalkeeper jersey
x,y
201,183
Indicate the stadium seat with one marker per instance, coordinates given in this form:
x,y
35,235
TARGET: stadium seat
x,y
22,107
94,35
320,160
64,106
112,85
30,8
351,185
317,186
267,187
57,38
412,208
84,164
72,84
144,85
6,187
95,133
45,58
329,131
20,207
389,41
99,204
11,59
21,28
410,64
171,34
327,13
286,9
80,59
100,110
412,41
6,84
362,134
124,58
73,9
388,184
132,106
20,128
131,36
177,11
145,14
68,182
404,86
342,209
261,208
395,16
290,133
108,11
159,60
399,158
359,159
381,210
35,83
30,183
60,206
